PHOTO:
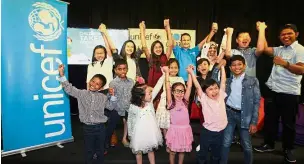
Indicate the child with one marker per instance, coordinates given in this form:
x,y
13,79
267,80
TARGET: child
x,y
122,86
91,106
211,97
242,104
179,137
157,58
143,130
162,114
102,61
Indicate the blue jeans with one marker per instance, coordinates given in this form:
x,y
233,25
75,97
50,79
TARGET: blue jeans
x,y
94,137
113,119
214,141
234,120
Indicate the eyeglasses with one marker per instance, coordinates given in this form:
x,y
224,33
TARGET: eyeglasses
x,y
178,91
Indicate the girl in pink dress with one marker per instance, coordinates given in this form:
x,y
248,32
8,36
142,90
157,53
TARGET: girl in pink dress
x,y
179,137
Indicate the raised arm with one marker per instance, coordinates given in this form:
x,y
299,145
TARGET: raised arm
x,y
107,39
142,28
261,26
169,36
268,50
196,84
158,86
208,38
189,86
223,78
167,85
68,88
229,32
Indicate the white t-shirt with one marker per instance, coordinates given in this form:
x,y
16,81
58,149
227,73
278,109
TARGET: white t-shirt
x,y
131,69
105,69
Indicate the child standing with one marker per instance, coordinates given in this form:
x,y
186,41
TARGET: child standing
x,y
144,132
162,114
91,106
122,86
179,137
211,97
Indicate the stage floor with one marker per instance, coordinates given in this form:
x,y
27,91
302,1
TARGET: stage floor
x,y
73,152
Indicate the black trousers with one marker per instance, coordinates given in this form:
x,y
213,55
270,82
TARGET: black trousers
x,y
284,106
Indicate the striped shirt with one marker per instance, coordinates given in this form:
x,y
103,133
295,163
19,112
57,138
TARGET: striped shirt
x,y
91,105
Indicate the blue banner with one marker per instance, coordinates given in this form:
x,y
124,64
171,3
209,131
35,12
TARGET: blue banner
x,y
35,110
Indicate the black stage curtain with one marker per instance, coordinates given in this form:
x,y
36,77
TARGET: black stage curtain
x,y
191,14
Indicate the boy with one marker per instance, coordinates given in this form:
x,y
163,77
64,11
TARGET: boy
x,y
285,84
242,106
91,106
122,86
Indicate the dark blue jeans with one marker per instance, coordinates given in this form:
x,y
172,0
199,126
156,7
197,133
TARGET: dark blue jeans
x,y
113,119
94,136
234,120
214,141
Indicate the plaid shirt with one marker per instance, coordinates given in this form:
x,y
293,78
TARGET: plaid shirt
x,y
90,104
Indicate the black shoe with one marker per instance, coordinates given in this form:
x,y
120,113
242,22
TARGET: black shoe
x,y
264,148
289,156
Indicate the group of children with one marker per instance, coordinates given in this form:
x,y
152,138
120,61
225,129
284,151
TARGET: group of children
x,y
225,104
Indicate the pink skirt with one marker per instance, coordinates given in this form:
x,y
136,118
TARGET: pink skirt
x,y
179,138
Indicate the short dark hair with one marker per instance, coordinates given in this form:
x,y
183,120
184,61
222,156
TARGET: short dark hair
x,y
241,32
120,62
207,83
200,61
102,78
138,94
185,34
235,58
289,26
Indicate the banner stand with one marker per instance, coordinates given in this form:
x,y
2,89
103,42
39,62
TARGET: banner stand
x,y
36,147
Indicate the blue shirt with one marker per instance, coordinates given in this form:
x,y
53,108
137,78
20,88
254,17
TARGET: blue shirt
x,y
185,57
281,80
234,100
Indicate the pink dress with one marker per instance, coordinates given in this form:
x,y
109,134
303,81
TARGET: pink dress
x,y
179,137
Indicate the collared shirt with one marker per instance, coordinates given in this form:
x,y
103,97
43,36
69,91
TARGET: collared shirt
x,y
250,58
214,112
185,57
234,99
281,80
122,90
105,69
90,104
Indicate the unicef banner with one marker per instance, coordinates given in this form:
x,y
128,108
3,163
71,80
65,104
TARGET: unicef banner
x,y
35,110
81,43
161,35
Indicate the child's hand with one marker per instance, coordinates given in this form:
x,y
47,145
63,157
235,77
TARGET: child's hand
x,y
214,27
102,28
253,129
165,69
61,70
222,63
166,23
260,25
142,25
190,69
229,31
111,91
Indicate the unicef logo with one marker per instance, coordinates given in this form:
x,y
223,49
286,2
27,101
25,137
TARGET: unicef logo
x,y
176,36
46,21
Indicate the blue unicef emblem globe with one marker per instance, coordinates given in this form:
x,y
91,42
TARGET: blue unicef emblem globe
x,y
176,36
45,21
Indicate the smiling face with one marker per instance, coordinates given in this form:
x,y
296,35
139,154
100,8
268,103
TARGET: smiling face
x,y
129,49
212,53
288,36
243,40
213,91
178,92
158,49
203,68
95,84
121,71
173,69
237,67
99,54
185,41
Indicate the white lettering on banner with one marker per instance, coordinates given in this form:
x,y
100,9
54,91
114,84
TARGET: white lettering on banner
x,y
51,73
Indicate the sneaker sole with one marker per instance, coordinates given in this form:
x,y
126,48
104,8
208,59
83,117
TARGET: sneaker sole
x,y
262,151
294,161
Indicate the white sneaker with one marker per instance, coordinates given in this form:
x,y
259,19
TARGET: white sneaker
x,y
198,148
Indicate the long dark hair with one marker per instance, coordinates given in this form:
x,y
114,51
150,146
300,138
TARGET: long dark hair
x,y
123,53
172,96
155,60
138,94
93,57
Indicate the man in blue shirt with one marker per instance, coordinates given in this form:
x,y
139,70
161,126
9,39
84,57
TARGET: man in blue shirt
x,y
285,83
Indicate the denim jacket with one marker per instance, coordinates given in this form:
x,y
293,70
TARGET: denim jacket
x,y
250,100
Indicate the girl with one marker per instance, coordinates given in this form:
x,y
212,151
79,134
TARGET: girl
x,y
211,97
162,114
102,61
179,137
157,58
143,131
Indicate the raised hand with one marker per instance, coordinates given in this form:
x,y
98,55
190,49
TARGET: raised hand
x,y
102,28
165,69
214,27
61,70
190,69
166,23
229,31
260,25
142,25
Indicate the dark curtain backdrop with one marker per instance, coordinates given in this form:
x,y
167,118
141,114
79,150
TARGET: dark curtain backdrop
x,y
187,14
